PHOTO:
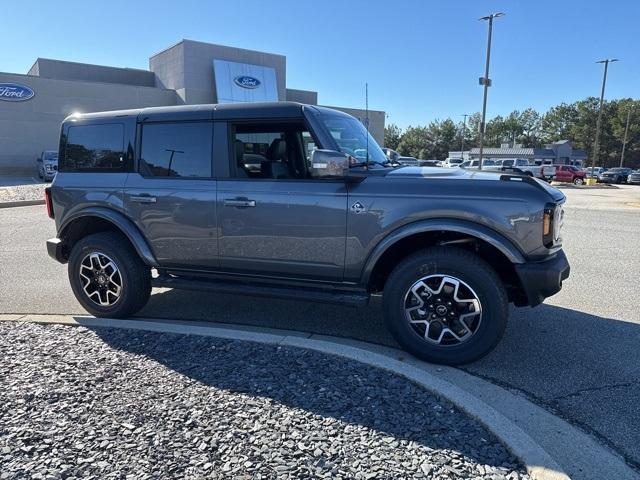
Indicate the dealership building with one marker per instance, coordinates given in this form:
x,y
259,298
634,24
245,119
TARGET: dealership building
x,y
33,105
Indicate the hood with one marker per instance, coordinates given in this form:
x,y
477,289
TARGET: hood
x,y
474,175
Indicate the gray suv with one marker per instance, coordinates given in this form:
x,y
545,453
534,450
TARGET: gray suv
x,y
270,199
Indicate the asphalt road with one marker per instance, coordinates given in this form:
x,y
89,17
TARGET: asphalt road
x,y
577,354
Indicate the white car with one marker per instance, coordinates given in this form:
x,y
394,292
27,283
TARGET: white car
x,y
452,162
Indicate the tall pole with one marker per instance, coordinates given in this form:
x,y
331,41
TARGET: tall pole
x,y
464,130
487,83
626,132
366,120
596,145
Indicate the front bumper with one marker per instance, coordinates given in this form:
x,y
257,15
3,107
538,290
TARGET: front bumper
x,y
55,249
543,279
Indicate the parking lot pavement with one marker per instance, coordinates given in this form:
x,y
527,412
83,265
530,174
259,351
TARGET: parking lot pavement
x,y
576,354
221,409
15,180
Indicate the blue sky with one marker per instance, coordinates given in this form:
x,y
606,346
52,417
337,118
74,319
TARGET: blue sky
x,y
422,59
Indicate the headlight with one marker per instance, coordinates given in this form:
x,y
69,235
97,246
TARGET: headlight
x,y
552,221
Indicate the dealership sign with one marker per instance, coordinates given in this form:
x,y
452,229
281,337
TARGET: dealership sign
x,y
246,81
12,92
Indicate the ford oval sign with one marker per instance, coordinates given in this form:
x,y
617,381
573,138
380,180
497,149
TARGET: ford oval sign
x,y
245,81
12,92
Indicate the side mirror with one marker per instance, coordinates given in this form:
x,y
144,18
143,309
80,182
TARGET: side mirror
x,y
329,164
39,160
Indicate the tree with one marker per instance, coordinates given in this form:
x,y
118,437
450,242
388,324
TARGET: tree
x,y
574,121
392,135
413,142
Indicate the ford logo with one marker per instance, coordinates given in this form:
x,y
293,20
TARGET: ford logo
x,y
245,81
12,92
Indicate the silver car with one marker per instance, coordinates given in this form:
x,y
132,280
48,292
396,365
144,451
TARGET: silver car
x,y
47,165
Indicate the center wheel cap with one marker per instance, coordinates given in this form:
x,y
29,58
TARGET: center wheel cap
x,y
441,310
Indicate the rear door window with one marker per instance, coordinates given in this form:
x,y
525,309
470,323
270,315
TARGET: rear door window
x,y
178,149
94,148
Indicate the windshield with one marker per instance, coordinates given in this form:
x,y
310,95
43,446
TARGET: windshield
x,y
353,139
51,155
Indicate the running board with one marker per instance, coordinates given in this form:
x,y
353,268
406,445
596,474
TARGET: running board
x,y
338,297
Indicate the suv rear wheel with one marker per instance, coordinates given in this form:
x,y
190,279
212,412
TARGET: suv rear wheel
x,y
445,305
107,276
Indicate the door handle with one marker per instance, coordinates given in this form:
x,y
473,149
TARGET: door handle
x,y
239,202
143,199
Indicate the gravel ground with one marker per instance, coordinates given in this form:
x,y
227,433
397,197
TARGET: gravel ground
x,y
22,192
109,403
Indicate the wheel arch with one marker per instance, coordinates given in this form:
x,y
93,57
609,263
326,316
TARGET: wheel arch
x,y
99,219
490,245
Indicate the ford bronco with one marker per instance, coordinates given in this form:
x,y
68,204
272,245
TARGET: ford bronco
x,y
270,199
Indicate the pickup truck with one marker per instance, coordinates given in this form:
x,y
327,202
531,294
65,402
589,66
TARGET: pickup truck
x,y
543,172
517,166
267,199
570,174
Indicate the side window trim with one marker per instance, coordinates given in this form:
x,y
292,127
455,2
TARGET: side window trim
x,y
138,150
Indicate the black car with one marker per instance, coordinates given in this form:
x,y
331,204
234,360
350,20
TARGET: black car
x,y
615,175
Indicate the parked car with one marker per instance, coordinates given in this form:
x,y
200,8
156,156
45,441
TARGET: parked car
x,y
429,163
391,155
452,162
570,174
634,177
47,164
615,175
408,161
593,172
520,166
447,249
471,164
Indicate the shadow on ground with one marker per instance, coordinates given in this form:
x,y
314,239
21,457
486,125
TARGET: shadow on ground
x,y
584,367
325,386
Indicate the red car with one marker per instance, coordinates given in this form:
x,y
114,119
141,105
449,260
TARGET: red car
x,y
570,174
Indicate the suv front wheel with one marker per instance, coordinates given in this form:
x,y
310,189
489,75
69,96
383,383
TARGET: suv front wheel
x,y
445,305
107,276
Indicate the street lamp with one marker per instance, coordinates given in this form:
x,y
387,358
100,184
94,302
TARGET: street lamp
x,y
486,81
626,132
464,130
596,145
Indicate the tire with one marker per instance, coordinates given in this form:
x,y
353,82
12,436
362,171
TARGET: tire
x,y
578,181
475,278
133,276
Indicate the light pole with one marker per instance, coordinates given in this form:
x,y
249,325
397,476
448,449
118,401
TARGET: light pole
x,y
486,82
464,130
596,145
626,132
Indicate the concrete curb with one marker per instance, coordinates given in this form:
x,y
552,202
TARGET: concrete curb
x,y
21,203
539,463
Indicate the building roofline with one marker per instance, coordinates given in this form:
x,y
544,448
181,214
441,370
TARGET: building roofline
x,y
187,40
352,108
90,64
26,75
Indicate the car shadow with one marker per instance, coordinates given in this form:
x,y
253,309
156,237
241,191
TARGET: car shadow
x,y
581,366
305,380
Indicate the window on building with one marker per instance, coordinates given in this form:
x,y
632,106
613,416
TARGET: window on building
x,y
281,151
181,149
94,147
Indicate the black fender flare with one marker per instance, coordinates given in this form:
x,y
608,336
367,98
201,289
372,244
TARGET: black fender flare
x,y
503,244
120,221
